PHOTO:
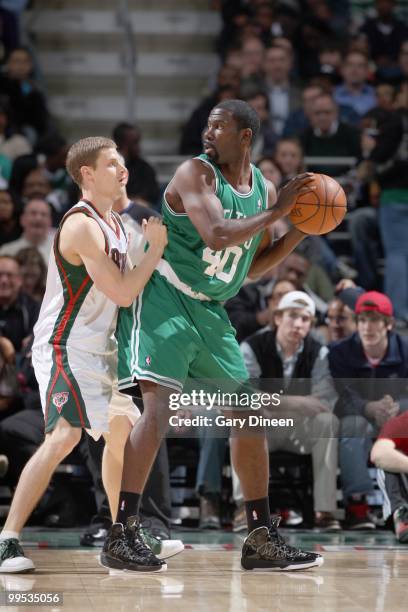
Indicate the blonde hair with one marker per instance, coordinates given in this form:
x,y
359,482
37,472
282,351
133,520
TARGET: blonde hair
x,y
85,153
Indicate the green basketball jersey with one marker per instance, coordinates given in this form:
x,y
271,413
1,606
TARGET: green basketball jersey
x,y
217,274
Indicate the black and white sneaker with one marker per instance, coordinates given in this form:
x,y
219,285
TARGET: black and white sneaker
x,y
265,549
125,550
13,559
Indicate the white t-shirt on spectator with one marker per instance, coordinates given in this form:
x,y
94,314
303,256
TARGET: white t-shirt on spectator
x,y
13,247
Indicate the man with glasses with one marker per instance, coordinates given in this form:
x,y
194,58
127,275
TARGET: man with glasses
x,y
18,312
339,320
328,136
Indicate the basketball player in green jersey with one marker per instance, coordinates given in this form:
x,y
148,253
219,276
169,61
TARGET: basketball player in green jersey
x,y
216,209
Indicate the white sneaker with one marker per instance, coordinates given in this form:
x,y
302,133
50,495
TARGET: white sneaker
x,y
13,559
169,548
162,549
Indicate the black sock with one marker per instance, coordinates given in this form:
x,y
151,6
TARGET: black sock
x,y
258,513
129,504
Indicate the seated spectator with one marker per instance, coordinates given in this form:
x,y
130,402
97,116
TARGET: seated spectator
x,y
227,87
289,157
33,272
265,142
12,144
403,63
37,231
355,91
10,228
339,320
18,312
142,186
329,137
309,277
235,15
265,20
248,310
232,60
330,61
390,455
299,120
286,20
8,380
366,367
311,35
43,174
289,353
270,170
251,68
10,26
283,94
51,151
385,96
385,33
30,112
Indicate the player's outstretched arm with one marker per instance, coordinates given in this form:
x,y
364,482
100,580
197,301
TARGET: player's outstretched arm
x,y
82,241
194,183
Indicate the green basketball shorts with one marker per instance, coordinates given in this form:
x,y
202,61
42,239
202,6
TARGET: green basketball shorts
x,y
167,337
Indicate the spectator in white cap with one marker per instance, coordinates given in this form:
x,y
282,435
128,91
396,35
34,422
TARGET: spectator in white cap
x,y
289,352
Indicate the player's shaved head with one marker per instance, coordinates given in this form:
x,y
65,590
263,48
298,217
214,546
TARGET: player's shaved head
x,y
243,113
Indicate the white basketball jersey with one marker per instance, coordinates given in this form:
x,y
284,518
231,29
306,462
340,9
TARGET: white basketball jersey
x,y
74,313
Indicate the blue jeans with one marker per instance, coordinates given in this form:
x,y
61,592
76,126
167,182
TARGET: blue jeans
x,y
353,454
394,232
365,241
210,464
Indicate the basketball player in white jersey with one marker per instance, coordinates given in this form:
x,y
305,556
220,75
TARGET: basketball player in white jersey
x,y
74,351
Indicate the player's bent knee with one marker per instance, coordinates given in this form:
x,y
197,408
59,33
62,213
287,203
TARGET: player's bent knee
x,y
327,423
64,439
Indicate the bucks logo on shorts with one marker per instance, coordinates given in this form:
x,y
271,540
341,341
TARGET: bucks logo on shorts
x,y
59,399
216,274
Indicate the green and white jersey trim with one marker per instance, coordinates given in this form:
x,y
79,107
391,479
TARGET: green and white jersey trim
x,y
74,312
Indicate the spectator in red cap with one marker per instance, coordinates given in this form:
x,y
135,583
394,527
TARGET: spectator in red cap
x,y
368,369
390,454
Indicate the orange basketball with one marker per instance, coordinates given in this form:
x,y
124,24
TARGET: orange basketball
x,y
320,210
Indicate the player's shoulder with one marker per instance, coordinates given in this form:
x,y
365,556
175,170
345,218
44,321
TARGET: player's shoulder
x,y
196,170
271,191
80,224
195,165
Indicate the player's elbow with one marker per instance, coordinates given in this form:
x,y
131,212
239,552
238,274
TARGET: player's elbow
x,y
253,275
377,455
216,238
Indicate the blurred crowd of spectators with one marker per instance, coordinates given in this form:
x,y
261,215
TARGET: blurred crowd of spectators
x,y
331,87
332,95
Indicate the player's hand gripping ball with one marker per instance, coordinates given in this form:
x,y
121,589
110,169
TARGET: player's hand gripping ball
x,y
321,209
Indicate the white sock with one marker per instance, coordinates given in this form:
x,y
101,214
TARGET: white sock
x,y
6,535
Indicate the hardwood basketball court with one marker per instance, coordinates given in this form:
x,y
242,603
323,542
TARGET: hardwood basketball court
x,y
362,571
